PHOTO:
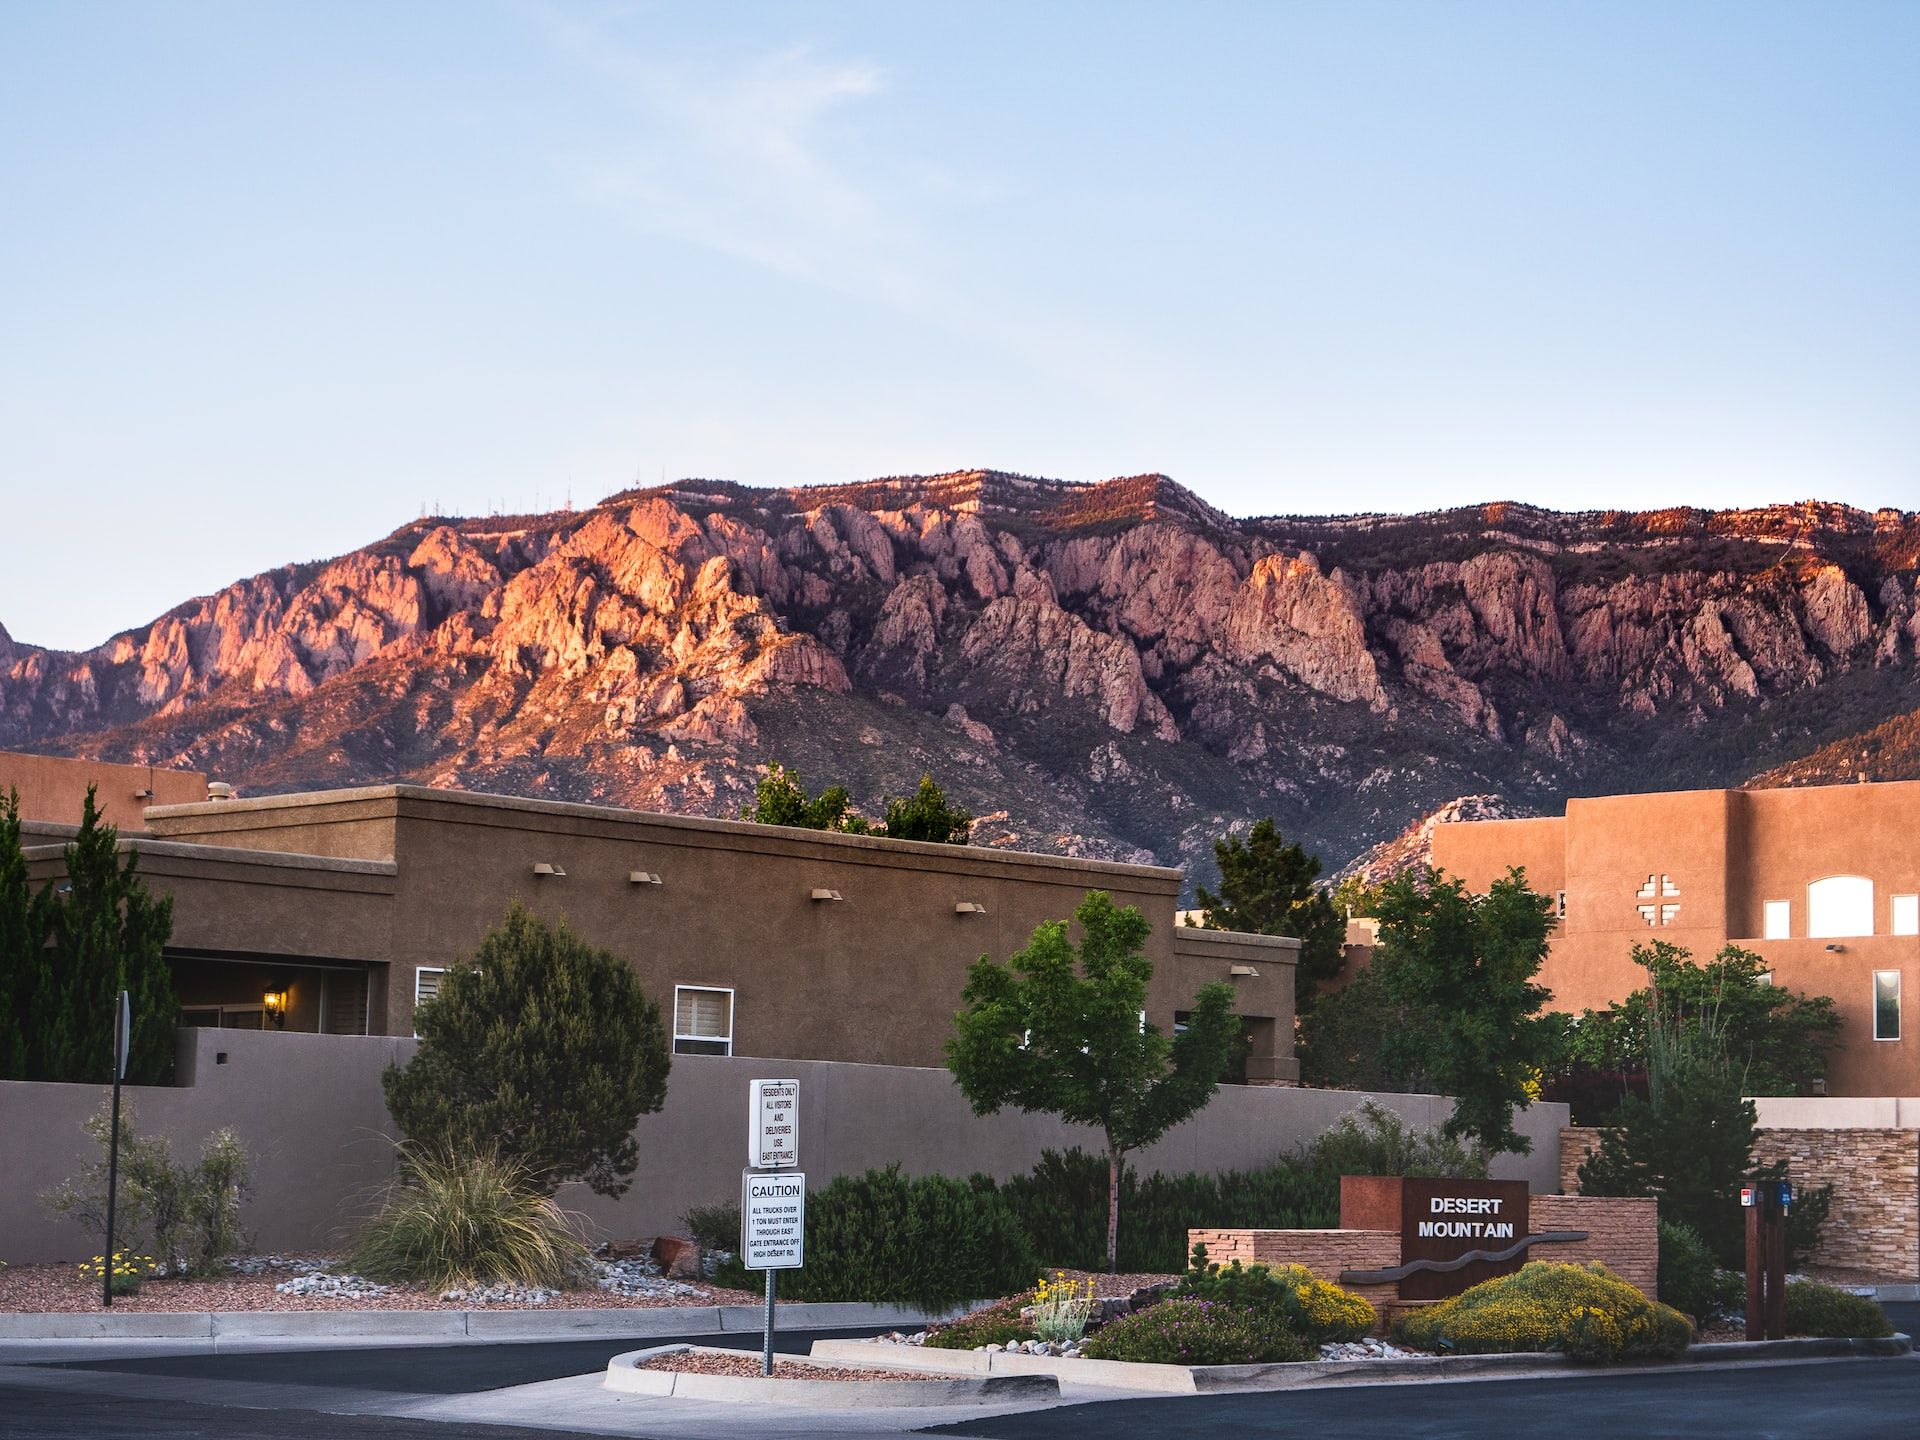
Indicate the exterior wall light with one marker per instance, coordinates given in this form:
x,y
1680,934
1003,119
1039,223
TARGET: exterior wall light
x,y
1836,949
642,877
1243,970
545,868
274,1002
143,794
818,893
969,907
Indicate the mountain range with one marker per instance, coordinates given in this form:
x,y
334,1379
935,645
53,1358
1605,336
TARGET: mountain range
x,y
1116,670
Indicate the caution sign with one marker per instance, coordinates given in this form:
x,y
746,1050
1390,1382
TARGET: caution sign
x,y
773,1220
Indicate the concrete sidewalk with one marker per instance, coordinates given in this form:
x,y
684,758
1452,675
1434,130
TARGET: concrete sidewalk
x,y
446,1327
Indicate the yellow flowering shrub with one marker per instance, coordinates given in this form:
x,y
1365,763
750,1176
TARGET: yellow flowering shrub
x,y
1315,1309
1586,1311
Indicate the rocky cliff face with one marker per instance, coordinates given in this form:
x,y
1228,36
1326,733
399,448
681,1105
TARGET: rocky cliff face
x,y
1114,669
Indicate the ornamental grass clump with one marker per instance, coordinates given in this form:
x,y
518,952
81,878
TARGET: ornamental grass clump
x,y
1187,1330
1315,1309
1585,1311
452,1220
1061,1308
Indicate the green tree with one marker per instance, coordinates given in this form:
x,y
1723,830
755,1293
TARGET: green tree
x,y
1062,1030
540,1049
1466,963
1778,1039
780,799
1269,887
109,933
926,815
23,947
1343,1037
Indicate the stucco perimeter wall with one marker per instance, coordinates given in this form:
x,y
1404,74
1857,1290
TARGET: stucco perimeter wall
x,y
1874,1223
310,1112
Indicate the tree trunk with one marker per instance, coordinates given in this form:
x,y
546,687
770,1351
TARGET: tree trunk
x,y
1113,1207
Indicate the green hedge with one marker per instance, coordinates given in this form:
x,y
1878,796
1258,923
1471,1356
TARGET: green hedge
x,y
929,1241
1062,1206
1689,1278
1814,1309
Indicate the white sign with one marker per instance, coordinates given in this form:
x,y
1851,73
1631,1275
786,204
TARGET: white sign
x,y
773,1125
773,1221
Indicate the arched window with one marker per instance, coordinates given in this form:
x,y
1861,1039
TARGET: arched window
x,y
1840,905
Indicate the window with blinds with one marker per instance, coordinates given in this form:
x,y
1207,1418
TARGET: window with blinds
x,y
702,1020
426,985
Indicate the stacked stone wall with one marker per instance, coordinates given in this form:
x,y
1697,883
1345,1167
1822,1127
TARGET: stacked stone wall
x,y
1874,1223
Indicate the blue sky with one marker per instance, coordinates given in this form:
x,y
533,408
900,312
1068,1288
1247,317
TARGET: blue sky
x,y
273,277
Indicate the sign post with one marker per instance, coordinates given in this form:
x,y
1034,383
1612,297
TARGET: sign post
x,y
773,1195
122,1039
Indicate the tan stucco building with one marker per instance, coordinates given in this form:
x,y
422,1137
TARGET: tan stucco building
x,y
1822,882
333,911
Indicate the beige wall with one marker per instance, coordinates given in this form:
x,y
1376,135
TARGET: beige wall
x,y
310,1111
54,789
1727,852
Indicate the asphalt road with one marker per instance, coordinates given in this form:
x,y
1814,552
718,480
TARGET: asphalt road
x,y
44,1415
1843,1400
435,1369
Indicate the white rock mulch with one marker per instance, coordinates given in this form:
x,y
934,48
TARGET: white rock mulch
x,y
321,1284
1368,1349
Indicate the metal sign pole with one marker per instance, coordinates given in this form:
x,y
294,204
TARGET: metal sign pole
x,y
766,1343
122,1034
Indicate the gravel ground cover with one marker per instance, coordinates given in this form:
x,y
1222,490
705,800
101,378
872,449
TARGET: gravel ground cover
x,y
706,1362
314,1281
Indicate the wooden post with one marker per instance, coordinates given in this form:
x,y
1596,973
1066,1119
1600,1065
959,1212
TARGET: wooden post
x,y
1776,1268
1756,1271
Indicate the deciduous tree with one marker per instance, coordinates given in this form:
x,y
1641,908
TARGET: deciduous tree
x,y
1062,1029
926,815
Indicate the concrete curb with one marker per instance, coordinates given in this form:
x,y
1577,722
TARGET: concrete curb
x,y
1892,1294
1310,1374
624,1374
451,1325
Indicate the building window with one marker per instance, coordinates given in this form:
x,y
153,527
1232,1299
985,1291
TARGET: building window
x,y
1779,921
426,985
1886,1004
1840,906
1659,900
1906,914
702,1020
1559,904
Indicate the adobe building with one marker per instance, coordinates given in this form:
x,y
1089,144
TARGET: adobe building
x,y
1822,882
336,911
52,789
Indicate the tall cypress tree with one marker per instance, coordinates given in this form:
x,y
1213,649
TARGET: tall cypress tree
x,y
108,934
23,947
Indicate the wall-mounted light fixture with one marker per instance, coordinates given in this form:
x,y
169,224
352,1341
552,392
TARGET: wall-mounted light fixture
x,y
1836,949
547,868
820,893
1243,970
143,794
274,1002
969,907
642,877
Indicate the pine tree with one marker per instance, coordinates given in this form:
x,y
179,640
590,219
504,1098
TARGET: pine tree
x,y
23,947
1267,887
926,815
109,932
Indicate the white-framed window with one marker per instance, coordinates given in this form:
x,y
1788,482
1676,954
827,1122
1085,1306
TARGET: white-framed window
x,y
1886,1004
1840,906
1778,924
1906,914
702,1020
1559,904
426,985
